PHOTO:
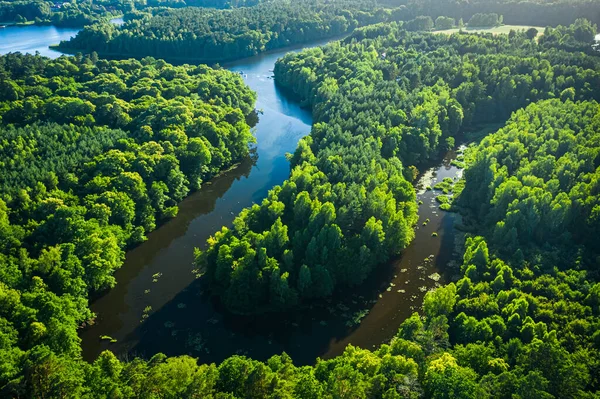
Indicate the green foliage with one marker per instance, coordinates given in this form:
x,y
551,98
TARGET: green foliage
x,y
421,23
480,20
521,12
42,152
210,35
531,33
65,14
541,179
578,36
443,23
445,186
341,203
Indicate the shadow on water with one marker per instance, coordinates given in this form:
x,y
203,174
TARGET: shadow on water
x,y
421,267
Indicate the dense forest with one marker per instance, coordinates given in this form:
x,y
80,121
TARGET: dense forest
x,y
515,12
86,12
95,154
523,316
59,13
196,3
83,13
210,35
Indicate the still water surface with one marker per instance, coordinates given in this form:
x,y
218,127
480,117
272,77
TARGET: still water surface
x,y
157,278
32,39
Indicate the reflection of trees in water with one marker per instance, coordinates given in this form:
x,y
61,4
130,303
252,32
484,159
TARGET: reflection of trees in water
x,y
194,323
202,202
252,118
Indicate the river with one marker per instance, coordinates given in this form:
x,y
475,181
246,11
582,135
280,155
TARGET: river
x,y
158,304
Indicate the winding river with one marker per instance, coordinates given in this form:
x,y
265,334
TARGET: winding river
x,y
158,304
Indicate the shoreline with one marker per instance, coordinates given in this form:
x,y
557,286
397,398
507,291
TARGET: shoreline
x,y
224,63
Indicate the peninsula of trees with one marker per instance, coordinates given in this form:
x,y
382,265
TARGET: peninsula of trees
x,y
210,35
380,107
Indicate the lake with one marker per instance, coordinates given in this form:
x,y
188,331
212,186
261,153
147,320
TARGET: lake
x,y
32,39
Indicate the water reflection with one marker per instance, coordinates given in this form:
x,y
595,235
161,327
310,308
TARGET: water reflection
x,y
169,245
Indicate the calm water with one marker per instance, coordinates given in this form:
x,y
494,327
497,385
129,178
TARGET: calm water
x,y
169,250
32,39
159,306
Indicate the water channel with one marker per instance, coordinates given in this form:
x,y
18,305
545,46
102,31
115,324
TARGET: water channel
x,y
156,279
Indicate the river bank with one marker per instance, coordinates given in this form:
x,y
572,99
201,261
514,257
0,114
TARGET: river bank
x,y
37,38
156,272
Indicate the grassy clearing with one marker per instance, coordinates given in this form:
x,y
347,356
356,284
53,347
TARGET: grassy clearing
x,y
503,29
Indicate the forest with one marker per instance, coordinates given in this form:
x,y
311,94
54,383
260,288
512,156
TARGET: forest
x,y
523,316
95,154
210,35
382,108
140,5
87,12
64,14
214,35
84,13
514,12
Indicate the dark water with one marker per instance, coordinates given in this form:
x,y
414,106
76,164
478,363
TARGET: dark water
x,y
158,305
421,267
